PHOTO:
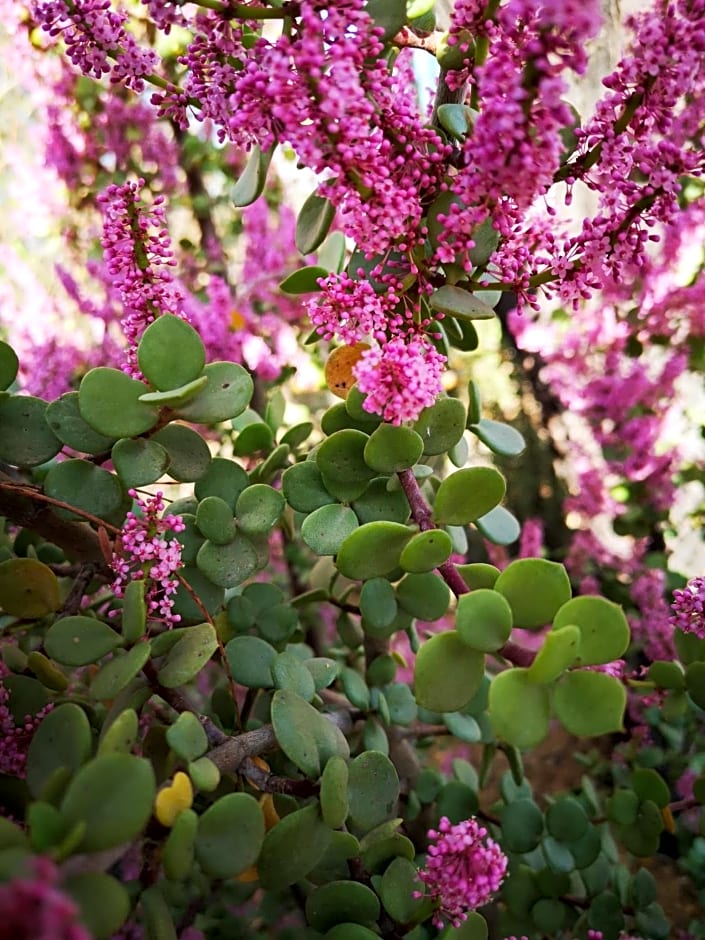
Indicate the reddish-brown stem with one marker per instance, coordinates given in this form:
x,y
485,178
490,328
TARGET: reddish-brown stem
x,y
423,517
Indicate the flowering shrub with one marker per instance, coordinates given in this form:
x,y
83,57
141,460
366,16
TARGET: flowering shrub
x,y
279,667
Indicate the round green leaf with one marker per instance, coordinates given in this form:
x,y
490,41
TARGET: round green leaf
x,y
377,603
566,820
258,509
340,902
590,703
228,565
478,575
293,848
303,489
535,589
586,849
466,495
102,901
694,681
186,737
558,652
188,656
290,673
350,932
390,15
623,807
78,641
123,783
223,478
518,708
139,462
441,426
82,484
304,280
170,353
313,222
26,439
204,774
373,790
501,438
334,792
176,396
499,526
604,631
390,449
522,826
667,675
215,520
64,418
226,395
209,594
326,528
373,550
323,670
119,671
109,402
230,835
340,458
306,737
9,365
28,588
120,734
63,739
483,620
178,852
189,456
459,303
424,596
648,784
426,551
378,504
252,181
447,673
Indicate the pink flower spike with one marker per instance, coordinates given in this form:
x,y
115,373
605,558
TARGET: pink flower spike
x,y
464,869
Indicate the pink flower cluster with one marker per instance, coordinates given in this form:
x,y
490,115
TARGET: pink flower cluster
x,y
15,738
689,608
96,39
144,551
464,869
139,257
35,908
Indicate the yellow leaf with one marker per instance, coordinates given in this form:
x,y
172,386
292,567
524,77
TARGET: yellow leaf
x,y
339,368
172,800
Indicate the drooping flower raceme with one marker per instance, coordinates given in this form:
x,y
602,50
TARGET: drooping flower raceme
x,y
464,869
34,908
689,608
145,552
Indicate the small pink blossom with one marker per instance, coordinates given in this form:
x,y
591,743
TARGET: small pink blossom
x,y
464,869
33,907
145,553
689,608
400,379
16,738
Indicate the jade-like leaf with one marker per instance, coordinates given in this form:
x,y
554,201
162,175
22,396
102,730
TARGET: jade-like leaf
x,y
186,737
390,15
424,596
78,641
447,673
209,595
559,651
230,835
604,631
251,659
426,551
303,489
122,782
373,550
373,790
313,222
109,401
536,589
306,737
483,620
478,575
332,253
63,739
252,181
188,656
304,280
28,588
390,449
441,426
176,396
215,520
377,603
189,456
228,565
289,672
103,902
340,458
467,494
460,304
499,526
518,708
119,671
341,902
378,503
170,353
223,478
82,484
293,848
258,509
26,439
501,438
139,462
227,393
457,119
327,527
522,825
334,792
64,418
9,365
590,703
